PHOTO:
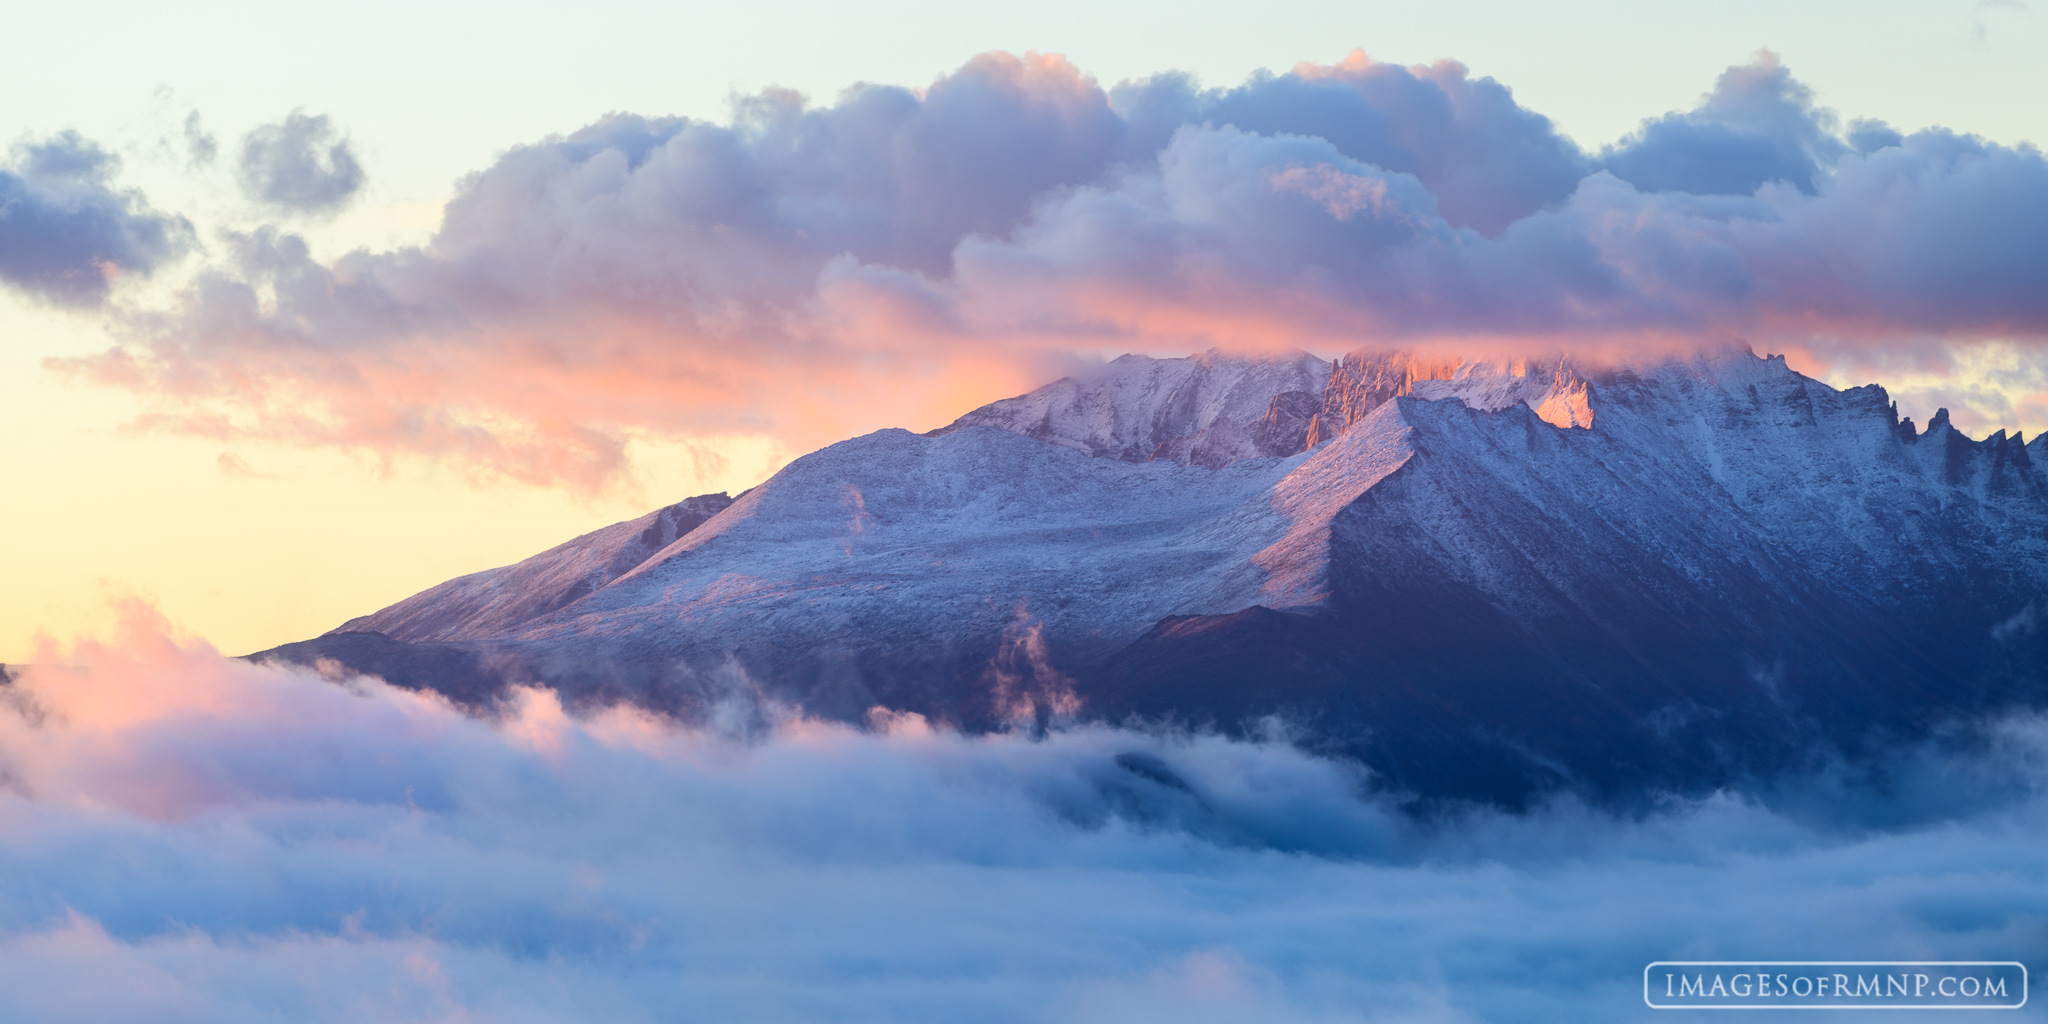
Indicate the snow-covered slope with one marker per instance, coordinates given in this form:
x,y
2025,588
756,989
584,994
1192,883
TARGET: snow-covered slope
x,y
1211,410
1733,567
1494,577
486,603
1205,410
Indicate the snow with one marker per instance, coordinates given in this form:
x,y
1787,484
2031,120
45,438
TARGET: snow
x,y
917,537
1544,486
1212,410
497,600
1202,410
1310,498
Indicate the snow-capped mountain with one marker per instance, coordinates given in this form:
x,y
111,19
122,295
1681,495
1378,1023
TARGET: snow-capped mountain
x,y
1204,410
1484,579
1212,410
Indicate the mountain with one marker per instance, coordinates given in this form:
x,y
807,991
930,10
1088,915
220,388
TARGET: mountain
x,y
1204,410
487,603
1484,579
1211,410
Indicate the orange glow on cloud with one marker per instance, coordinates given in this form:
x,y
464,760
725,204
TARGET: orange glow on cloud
x,y
808,273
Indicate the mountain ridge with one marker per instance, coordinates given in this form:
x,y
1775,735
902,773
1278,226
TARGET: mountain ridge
x,y
1496,578
481,604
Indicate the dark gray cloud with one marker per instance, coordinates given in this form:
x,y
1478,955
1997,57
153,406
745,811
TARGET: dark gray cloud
x,y
240,844
67,232
299,165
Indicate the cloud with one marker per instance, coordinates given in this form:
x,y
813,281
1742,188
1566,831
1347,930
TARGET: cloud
x,y
1757,126
808,271
1487,160
67,233
235,467
187,837
1979,31
297,165
200,145
1935,236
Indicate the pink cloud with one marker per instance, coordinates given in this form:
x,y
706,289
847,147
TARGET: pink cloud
x,y
892,258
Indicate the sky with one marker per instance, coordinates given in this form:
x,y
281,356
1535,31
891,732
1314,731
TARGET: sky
x,y
265,376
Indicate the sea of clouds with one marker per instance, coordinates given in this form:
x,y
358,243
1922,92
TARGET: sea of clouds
x,y
187,837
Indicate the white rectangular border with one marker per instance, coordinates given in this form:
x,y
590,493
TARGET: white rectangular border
x,y
1837,963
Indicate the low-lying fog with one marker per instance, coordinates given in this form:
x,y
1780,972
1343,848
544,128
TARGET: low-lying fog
x,y
188,837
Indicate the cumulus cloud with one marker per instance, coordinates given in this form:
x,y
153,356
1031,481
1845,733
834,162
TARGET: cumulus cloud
x,y
895,256
1757,126
67,233
186,837
1487,160
297,165
1925,238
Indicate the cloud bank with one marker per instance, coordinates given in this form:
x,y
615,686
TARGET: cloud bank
x,y
185,837
811,270
67,233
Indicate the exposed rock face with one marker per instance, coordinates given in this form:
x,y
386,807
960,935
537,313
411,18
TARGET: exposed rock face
x,y
1284,429
1364,381
1200,410
1496,580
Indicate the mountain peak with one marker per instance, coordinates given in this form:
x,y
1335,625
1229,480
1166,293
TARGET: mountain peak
x,y
1207,409
1212,408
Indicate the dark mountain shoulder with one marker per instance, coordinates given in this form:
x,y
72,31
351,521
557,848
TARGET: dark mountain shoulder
x,y
462,672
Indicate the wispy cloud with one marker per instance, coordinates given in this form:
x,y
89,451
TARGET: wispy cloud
x,y
236,467
1980,31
